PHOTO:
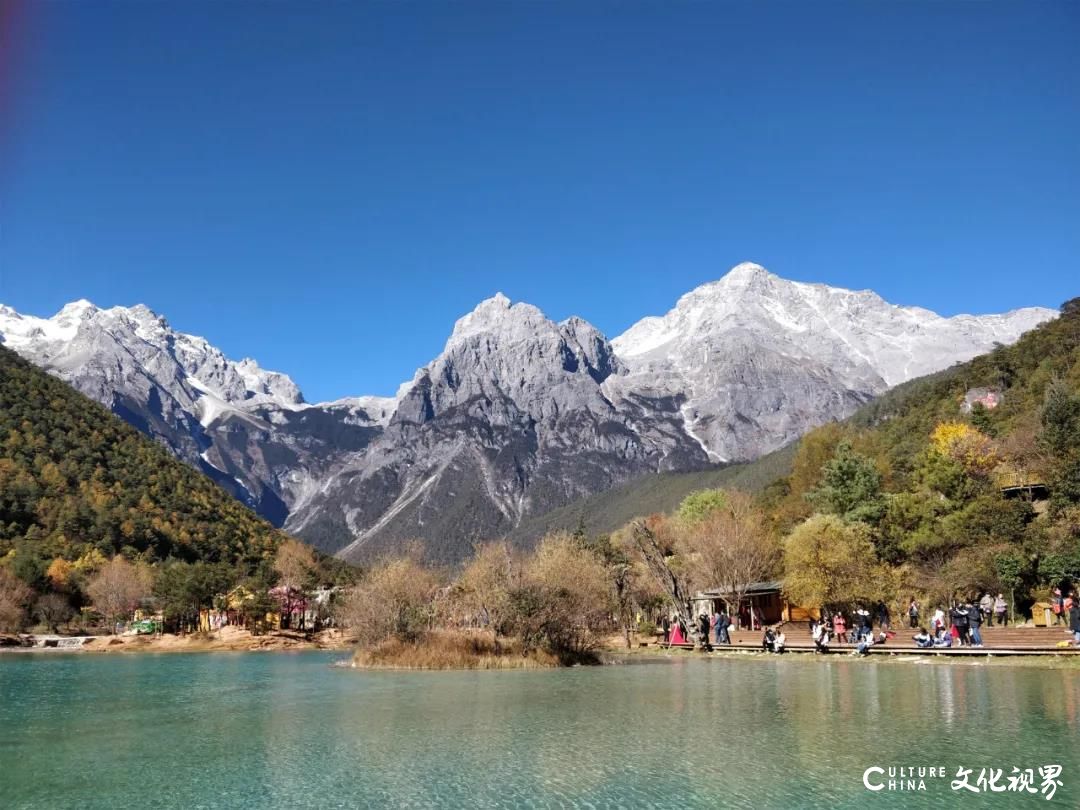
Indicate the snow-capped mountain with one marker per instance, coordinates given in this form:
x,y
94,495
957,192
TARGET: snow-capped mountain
x,y
518,414
760,360
223,417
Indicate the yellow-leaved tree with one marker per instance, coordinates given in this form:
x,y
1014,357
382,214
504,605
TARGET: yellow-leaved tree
x,y
967,446
831,563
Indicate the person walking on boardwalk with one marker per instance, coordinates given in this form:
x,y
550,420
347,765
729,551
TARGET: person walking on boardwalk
x,y
1058,606
986,608
703,628
913,613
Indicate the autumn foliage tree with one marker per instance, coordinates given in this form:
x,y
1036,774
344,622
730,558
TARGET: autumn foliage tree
x,y
394,600
653,540
486,585
565,600
733,546
962,443
830,563
118,588
14,597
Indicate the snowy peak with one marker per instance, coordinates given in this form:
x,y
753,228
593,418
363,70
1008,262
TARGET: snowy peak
x,y
139,341
857,328
77,309
746,274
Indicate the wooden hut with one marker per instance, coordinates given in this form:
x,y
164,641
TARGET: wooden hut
x,y
764,604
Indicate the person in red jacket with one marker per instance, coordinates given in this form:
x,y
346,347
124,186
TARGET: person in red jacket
x,y
840,627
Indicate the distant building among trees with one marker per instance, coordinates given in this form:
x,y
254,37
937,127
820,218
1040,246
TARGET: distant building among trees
x,y
989,398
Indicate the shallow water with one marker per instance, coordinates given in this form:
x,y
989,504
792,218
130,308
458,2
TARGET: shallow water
x,y
290,731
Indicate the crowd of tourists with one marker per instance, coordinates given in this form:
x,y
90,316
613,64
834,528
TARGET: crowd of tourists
x,y
833,628
960,626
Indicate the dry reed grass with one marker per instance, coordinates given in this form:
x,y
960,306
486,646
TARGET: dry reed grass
x,y
445,649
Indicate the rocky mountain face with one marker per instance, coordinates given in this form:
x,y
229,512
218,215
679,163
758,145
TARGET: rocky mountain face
x,y
518,415
510,419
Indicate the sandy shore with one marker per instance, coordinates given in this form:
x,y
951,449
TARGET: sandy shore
x,y
228,639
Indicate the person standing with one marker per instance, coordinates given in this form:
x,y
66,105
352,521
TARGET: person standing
x,y
986,608
913,613
1058,605
938,620
1074,619
1001,608
667,629
974,622
883,617
840,627
678,636
725,628
959,617
703,627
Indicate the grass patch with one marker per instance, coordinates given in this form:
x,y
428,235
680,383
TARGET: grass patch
x,y
444,649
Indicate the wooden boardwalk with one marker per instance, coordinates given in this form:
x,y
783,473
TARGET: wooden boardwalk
x,y
997,641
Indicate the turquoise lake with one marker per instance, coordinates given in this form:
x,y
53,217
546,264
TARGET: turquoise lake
x,y
291,731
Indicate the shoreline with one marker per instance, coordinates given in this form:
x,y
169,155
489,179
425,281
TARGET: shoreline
x,y
234,640
898,655
226,640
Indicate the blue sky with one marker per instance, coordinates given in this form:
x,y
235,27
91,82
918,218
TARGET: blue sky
x,y
327,186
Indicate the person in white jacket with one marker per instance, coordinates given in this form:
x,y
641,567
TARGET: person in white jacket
x,y
938,621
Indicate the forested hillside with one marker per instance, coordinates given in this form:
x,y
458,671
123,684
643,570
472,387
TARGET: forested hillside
x,y
78,486
963,481
73,478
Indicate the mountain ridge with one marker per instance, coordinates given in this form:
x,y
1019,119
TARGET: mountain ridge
x,y
518,414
